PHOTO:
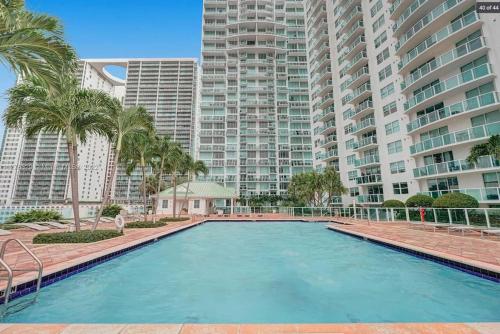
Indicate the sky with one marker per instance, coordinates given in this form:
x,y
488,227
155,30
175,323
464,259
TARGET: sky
x,y
121,29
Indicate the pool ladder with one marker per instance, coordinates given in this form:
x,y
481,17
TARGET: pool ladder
x,y
7,274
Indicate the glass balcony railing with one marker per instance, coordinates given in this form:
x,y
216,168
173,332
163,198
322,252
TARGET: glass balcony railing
x,y
426,20
478,132
464,106
365,142
449,84
407,13
456,166
374,178
331,154
362,107
373,198
481,194
443,60
363,125
438,37
368,160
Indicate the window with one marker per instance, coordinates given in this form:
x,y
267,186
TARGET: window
x,y
352,175
378,23
375,8
397,167
491,180
349,144
392,127
387,90
196,204
385,72
395,147
164,204
353,192
443,184
400,188
390,108
350,159
380,39
383,56
491,117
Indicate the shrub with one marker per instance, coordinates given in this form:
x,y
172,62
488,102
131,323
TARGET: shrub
x,y
393,203
140,224
9,227
171,219
455,200
75,237
419,200
111,210
34,216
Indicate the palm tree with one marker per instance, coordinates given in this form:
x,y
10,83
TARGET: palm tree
x,y
332,184
153,186
161,152
32,44
193,169
69,110
137,151
492,147
121,122
173,166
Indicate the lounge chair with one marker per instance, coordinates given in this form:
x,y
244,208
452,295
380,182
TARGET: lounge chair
x,y
220,213
107,219
33,226
433,225
463,228
56,225
487,231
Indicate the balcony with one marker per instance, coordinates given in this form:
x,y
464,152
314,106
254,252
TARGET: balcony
x,y
362,109
331,155
410,12
329,141
373,198
356,12
484,103
365,125
357,78
361,93
470,135
358,61
448,35
369,179
474,77
365,143
357,28
434,69
369,160
481,194
456,166
444,12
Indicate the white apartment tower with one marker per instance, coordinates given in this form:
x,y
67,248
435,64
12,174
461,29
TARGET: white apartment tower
x,y
34,171
414,89
255,126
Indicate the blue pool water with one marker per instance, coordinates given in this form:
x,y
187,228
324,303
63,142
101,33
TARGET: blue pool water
x,y
265,273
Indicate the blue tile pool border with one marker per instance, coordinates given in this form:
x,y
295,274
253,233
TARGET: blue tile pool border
x,y
469,269
26,288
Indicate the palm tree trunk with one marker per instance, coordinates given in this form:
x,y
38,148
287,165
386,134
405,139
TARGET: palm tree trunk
x,y
107,189
158,189
144,199
73,174
174,183
186,194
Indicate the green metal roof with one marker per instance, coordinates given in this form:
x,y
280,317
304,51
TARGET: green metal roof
x,y
200,190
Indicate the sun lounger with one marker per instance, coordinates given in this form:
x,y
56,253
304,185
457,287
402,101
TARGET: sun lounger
x,y
4,232
433,225
56,225
463,228
490,232
34,226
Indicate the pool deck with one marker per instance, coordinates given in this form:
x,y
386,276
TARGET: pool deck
x,y
431,328
465,249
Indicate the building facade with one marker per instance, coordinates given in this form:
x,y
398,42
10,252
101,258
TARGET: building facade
x,y
34,171
414,89
255,123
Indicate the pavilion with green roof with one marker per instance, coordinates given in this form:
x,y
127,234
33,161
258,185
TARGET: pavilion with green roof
x,y
195,198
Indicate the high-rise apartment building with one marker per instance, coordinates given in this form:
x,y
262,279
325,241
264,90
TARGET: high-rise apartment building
x,y
255,126
414,89
35,171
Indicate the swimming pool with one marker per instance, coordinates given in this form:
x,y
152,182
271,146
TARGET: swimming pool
x,y
275,272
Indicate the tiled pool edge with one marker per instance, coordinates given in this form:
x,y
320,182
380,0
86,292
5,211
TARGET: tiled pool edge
x,y
422,253
23,289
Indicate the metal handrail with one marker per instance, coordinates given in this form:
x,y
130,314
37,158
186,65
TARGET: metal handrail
x,y
10,270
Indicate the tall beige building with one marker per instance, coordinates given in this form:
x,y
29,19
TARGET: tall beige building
x,y
414,88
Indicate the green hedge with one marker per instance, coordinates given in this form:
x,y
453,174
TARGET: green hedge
x,y
393,203
455,200
419,200
34,216
9,227
171,219
140,224
75,237
111,210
